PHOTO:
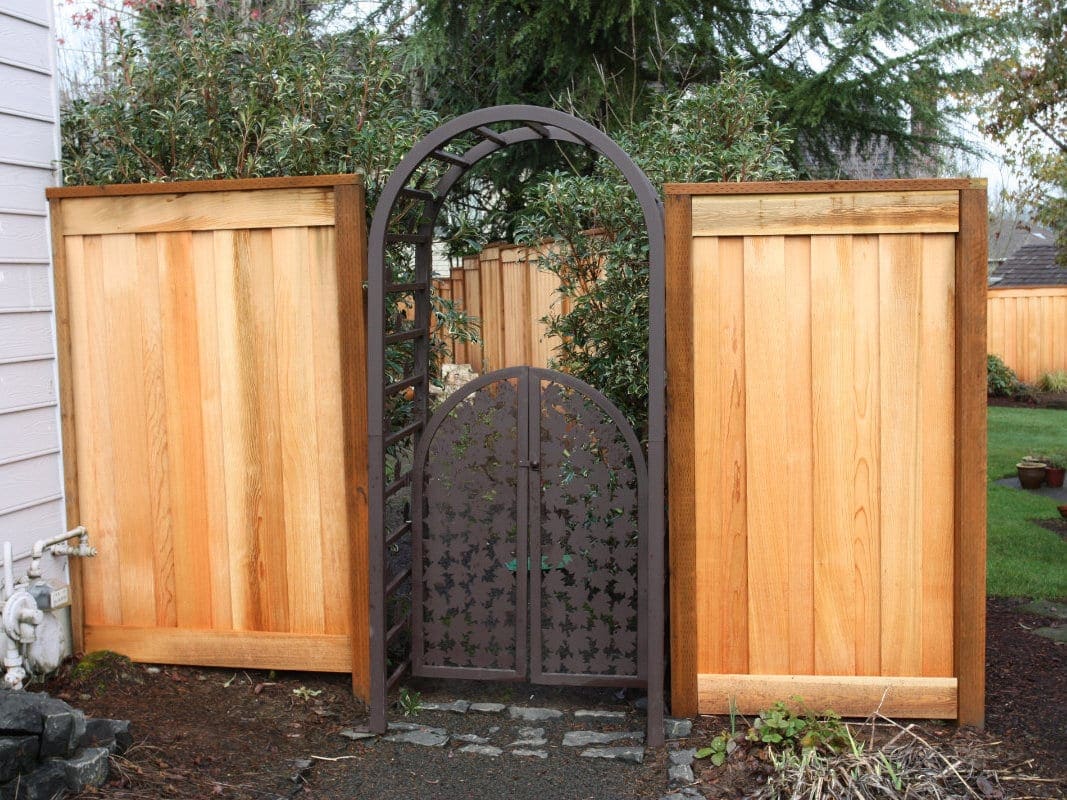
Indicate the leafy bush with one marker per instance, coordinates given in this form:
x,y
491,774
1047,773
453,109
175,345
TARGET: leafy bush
x,y
781,728
187,93
723,132
1054,381
1001,379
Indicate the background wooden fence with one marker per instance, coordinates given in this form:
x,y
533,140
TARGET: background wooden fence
x,y
827,463
503,288
212,366
1028,329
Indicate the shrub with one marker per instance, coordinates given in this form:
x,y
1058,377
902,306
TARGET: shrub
x,y
1054,381
723,132
189,93
1001,379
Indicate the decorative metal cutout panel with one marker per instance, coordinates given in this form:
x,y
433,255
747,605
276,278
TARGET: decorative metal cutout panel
x,y
467,542
588,541
529,486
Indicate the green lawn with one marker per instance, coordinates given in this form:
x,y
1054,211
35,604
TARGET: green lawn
x,y
1025,560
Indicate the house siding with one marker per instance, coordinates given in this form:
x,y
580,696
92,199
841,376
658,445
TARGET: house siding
x,y
31,472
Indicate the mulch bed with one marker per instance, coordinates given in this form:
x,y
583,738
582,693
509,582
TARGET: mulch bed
x,y
1036,399
203,733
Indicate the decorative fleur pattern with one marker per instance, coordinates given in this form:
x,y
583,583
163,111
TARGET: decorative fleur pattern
x,y
589,539
586,508
469,537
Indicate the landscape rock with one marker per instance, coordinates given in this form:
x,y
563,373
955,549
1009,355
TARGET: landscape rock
x,y
488,708
456,706
585,713
87,768
470,738
677,728
585,738
534,714
1055,633
682,756
426,737
524,753
632,755
44,783
481,750
17,754
356,736
680,774
1045,608
114,734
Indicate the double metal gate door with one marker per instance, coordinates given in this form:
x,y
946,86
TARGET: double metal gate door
x,y
529,514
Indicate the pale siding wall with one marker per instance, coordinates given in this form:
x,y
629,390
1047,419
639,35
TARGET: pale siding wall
x,y
31,485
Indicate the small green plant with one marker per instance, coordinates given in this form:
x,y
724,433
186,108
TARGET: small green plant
x,y
305,694
1054,381
804,730
720,747
409,702
1053,460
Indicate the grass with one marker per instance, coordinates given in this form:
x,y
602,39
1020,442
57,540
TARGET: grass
x,y
1024,559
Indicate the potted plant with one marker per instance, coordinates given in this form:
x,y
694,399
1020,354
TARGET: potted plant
x,y
1055,469
1031,472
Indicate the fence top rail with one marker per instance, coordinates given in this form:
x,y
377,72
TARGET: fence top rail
x,y
190,187
811,187
1030,291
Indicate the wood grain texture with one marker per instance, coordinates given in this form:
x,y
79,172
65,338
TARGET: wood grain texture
x,y
271,208
902,697
821,187
237,649
837,213
721,488
681,457
902,498
214,382
351,271
969,518
68,428
937,446
201,187
766,430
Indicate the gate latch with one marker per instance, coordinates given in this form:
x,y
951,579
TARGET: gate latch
x,y
534,465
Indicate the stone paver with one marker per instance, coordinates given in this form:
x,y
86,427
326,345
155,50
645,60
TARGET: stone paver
x,y
682,756
1055,633
528,714
677,728
680,774
585,713
585,738
356,736
488,708
524,753
424,738
632,755
470,738
1046,608
456,706
481,750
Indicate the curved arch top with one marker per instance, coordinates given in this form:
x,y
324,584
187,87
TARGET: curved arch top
x,y
485,132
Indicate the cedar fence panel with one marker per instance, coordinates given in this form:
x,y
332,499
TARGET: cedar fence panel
x,y
212,366
827,446
1028,329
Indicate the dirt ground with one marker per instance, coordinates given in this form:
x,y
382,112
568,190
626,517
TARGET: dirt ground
x,y
205,733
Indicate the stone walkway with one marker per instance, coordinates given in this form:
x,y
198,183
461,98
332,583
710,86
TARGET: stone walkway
x,y
511,731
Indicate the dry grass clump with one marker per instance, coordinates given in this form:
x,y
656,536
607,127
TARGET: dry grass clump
x,y
904,766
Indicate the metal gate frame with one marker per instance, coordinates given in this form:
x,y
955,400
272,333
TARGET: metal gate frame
x,y
417,220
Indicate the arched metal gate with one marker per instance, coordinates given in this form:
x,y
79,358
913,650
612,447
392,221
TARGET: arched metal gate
x,y
524,501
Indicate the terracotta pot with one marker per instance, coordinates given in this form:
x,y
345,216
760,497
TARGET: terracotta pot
x,y
1054,477
1031,476
1063,511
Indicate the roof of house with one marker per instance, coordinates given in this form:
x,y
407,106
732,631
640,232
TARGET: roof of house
x,y
1030,265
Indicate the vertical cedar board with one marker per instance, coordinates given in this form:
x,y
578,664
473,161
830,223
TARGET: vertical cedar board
x,y
351,253
970,511
680,454
66,409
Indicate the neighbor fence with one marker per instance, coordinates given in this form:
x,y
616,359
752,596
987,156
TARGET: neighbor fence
x,y
1028,329
213,374
826,363
511,298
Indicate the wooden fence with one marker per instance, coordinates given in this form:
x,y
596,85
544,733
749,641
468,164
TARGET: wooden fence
x,y
826,468
1028,329
510,296
212,369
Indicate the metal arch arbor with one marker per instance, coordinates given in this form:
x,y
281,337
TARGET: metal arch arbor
x,y
514,124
